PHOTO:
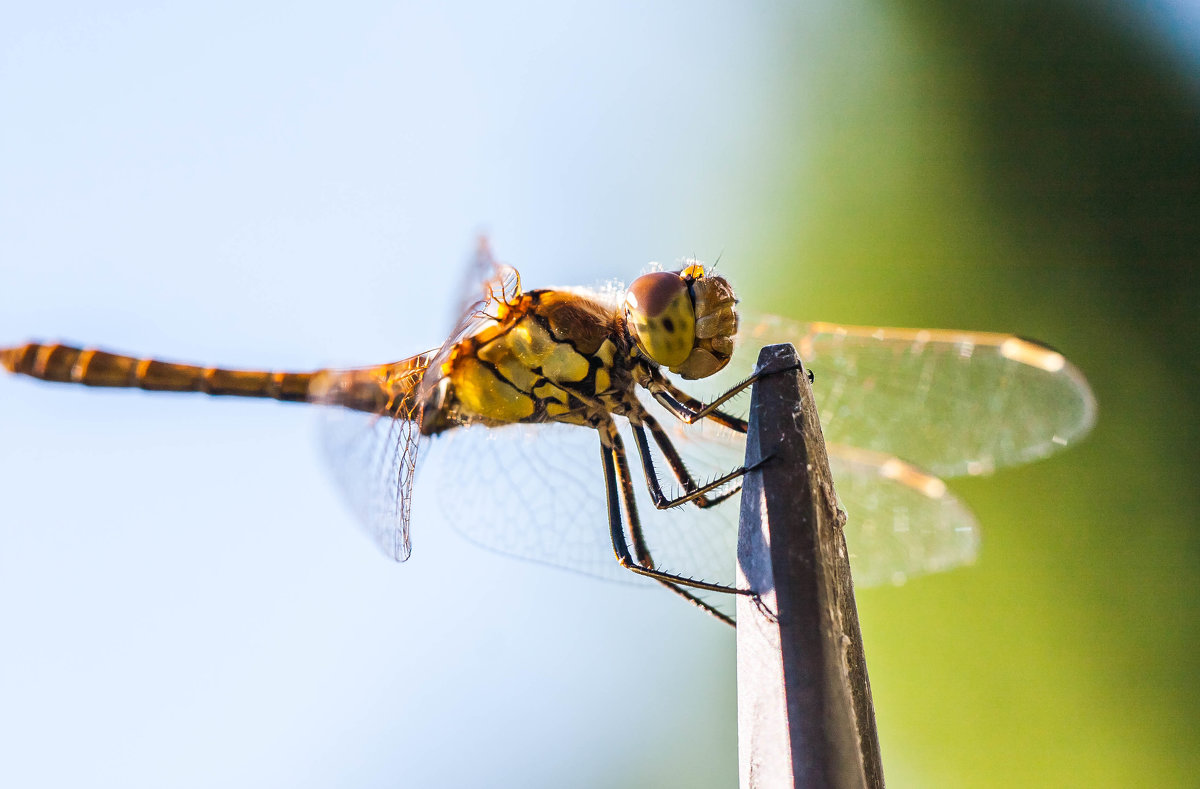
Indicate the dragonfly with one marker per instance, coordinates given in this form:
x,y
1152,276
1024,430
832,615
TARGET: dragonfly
x,y
527,379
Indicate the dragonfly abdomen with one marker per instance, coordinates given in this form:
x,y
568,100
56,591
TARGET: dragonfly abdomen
x,y
91,367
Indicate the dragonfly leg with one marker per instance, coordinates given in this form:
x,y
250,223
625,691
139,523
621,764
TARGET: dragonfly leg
x,y
696,601
613,454
641,551
690,410
693,492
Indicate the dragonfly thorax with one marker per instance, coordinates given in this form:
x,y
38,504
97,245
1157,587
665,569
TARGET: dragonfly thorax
x,y
553,356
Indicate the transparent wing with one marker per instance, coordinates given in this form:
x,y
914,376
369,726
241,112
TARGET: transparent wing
x,y
373,459
948,401
537,492
504,288
371,444
960,402
488,288
486,284
531,491
371,441
900,521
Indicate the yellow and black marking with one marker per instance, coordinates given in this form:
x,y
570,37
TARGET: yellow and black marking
x,y
551,358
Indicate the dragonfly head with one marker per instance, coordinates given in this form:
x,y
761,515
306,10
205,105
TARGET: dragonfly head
x,y
684,320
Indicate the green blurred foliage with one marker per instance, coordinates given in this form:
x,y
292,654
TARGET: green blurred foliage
x,y
1032,168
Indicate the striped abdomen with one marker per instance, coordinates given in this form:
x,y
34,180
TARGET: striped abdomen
x,y
382,389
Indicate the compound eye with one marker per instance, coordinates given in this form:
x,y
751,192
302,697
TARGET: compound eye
x,y
661,317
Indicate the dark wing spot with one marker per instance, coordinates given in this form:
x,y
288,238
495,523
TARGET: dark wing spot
x,y
668,324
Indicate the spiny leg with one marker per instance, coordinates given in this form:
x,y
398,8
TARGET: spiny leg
x,y
685,478
635,528
680,469
677,466
613,455
689,409
693,491
696,601
641,551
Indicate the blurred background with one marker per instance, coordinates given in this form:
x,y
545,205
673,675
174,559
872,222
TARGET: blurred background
x,y
184,602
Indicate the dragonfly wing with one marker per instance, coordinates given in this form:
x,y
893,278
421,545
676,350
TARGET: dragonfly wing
x,y
531,491
537,492
951,402
373,448
900,521
373,459
373,454
485,282
489,288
